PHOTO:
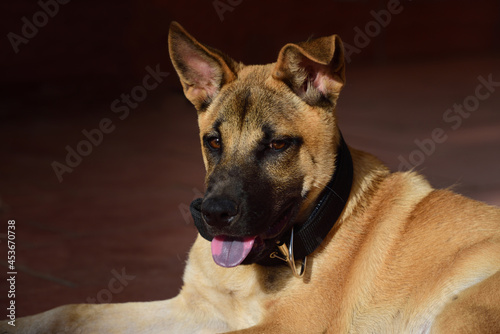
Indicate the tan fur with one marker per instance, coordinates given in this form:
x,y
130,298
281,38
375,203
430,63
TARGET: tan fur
x,y
402,258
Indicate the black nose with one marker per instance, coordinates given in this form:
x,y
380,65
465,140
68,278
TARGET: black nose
x,y
218,212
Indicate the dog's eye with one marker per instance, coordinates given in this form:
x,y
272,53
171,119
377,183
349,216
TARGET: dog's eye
x,y
214,143
279,145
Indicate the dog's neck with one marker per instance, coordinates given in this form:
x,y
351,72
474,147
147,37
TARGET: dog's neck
x,y
327,211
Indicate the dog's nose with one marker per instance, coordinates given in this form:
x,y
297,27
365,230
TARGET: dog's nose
x,y
218,212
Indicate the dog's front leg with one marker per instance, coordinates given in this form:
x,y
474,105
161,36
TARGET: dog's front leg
x,y
276,328
282,322
170,316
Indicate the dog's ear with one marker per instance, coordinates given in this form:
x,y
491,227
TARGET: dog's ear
x,y
202,70
314,70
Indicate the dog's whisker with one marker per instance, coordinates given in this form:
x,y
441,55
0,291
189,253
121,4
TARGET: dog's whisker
x,y
326,186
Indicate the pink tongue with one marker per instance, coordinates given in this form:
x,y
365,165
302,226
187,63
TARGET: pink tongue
x,y
230,252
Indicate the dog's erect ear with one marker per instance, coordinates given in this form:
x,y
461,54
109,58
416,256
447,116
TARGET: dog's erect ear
x,y
201,69
314,70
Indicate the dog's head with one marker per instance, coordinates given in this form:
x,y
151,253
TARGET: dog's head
x,y
268,136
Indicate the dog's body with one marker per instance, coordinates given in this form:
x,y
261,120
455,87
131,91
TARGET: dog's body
x,y
401,258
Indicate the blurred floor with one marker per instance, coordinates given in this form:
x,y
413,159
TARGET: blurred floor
x,y
122,211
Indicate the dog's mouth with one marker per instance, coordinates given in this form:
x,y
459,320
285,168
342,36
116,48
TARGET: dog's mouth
x,y
228,251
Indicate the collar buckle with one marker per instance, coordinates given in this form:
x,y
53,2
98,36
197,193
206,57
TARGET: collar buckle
x,y
287,252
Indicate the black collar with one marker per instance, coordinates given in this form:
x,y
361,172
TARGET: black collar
x,y
309,235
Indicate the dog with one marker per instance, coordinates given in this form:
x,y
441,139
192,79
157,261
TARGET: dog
x,y
300,233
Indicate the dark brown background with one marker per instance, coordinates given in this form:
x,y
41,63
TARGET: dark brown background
x,y
124,205
88,44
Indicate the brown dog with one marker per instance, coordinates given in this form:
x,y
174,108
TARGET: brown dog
x,y
298,232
